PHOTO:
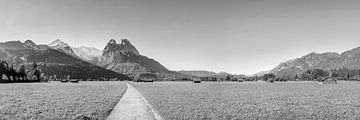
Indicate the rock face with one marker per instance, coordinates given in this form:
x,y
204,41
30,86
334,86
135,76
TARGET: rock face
x,y
124,58
125,46
52,61
90,54
62,46
30,44
14,45
348,59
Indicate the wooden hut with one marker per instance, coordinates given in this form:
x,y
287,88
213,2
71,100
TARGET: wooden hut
x,y
74,80
270,80
64,80
328,80
197,81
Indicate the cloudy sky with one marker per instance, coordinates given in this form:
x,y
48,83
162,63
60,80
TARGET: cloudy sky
x,y
236,36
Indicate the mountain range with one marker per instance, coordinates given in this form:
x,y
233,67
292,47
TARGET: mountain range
x,y
52,60
59,58
329,60
123,60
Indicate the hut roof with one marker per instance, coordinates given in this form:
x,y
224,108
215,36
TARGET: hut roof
x,y
326,78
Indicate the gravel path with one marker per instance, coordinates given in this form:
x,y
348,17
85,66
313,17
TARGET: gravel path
x,y
133,106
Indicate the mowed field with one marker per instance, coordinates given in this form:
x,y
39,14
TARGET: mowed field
x,y
253,100
60,101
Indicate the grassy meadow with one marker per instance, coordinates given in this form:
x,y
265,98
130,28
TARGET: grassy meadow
x,y
59,101
253,100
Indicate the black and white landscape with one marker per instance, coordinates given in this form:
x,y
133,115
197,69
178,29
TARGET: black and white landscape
x,y
179,60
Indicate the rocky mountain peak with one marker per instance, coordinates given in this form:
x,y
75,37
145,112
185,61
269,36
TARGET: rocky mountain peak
x,y
62,46
124,58
58,44
112,41
30,44
125,47
125,41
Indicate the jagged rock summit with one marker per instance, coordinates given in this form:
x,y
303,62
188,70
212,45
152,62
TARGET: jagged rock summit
x,y
30,44
124,58
58,44
125,47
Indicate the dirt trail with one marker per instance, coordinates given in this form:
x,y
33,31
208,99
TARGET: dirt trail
x,y
133,106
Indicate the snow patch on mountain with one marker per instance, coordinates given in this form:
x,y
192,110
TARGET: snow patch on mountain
x,y
87,53
62,46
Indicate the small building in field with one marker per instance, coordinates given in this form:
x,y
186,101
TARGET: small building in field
x,y
74,80
197,81
270,80
240,80
328,80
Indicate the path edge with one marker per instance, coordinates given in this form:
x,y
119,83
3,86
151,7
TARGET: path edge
x,y
153,115
152,110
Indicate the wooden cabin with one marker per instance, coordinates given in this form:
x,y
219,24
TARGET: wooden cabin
x,y
328,80
74,80
197,81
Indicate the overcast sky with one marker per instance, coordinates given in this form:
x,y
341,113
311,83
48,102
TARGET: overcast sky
x,y
236,36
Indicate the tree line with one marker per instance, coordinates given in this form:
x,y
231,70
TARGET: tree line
x,y
312,75
341,74
19,75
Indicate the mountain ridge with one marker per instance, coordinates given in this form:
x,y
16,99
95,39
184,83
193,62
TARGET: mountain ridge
x,y
52,61
327,60
62,46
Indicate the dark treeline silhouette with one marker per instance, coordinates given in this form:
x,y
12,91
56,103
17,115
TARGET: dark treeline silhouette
x,y
341,74
19,75
313,75
222,78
